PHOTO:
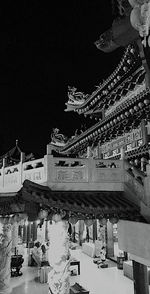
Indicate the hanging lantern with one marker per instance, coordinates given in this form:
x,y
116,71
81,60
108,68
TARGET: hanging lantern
x,y
136,108
131,110
146,101
43,214
114,220
103,221
140,105
88,222
56,218
73,220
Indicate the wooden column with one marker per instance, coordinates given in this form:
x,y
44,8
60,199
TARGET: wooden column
x,y
81,229
110,242
34,228
28,234
95,230
14,237
140,278
24,233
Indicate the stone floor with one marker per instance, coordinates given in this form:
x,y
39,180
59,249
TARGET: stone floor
x,y
105,281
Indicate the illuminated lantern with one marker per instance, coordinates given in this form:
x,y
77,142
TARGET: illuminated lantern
x,y
88,222
114,120
114,220
140,104
43,214
131,110
136,108
103,221
146,101
56,218
73,220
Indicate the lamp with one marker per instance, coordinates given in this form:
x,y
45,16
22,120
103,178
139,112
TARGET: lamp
x,y
114,219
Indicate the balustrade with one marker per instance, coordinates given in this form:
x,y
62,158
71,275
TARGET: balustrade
x,y
74,173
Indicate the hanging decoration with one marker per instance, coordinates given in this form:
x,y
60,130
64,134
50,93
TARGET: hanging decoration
x,y
43,214
73,220
103,221
89,222
114,219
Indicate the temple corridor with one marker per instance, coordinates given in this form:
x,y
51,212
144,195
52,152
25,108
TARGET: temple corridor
x,y
106,281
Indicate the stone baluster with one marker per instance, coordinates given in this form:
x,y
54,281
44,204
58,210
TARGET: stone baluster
x,y
5,258
59,257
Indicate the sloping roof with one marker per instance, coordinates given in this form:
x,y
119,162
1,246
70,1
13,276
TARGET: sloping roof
x,y
84,203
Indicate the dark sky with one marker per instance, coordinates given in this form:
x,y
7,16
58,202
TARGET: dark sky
x,y
43,50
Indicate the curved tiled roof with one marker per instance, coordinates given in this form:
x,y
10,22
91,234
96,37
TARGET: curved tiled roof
x,y
82,203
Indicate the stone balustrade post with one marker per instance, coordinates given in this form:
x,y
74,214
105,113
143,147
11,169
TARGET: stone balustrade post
x,y
49,167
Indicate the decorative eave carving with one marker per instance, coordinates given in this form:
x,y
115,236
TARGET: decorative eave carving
x,y
95,102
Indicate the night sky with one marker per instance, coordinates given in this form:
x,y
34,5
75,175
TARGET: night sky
x,y
43,50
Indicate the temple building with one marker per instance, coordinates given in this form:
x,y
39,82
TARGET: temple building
x,y
90,190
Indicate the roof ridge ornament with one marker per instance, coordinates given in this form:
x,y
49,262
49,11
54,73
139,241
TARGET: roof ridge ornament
x,y
57,138
76,98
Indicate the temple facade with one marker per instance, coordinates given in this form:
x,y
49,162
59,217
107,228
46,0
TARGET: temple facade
x,y
97,180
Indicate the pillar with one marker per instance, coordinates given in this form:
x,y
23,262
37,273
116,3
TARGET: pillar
x,y
59,258
110,241
24,233
46,231
14,237
28,233
95,231
34,230
5,259
81,229
140,278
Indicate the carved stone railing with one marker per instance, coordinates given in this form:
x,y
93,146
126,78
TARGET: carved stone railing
x,y
34,171
70,170
75,174
12,177
134,182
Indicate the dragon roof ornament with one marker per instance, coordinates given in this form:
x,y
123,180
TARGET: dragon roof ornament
x,y
57,139
75,98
